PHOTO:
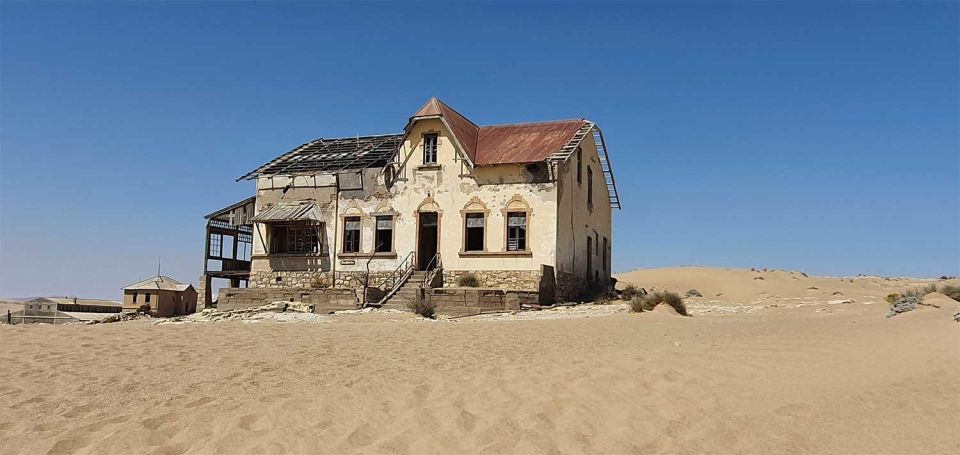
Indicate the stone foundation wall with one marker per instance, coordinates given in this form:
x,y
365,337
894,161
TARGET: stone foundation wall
x,y
528,280
455,301
312,279
324,300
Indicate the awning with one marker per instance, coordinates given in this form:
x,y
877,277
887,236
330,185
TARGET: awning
x,y
290,212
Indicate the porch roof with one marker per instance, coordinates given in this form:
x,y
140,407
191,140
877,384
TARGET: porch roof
x,y
282,212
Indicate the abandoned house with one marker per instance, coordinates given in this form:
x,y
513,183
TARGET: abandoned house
x,y
520,206
60,310
160,296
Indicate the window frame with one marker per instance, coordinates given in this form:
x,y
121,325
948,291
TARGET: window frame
x,y
526,230
376,232
435,151
306,231
579,165
359,234
483,236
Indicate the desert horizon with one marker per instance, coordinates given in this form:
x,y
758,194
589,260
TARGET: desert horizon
x,y
786,364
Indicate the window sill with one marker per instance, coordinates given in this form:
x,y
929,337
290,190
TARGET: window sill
x,y
497,254
429,167
387,255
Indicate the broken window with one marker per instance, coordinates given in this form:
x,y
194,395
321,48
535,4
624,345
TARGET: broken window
x,y
429,149
589,187
579,165
351,234
384,236
473,232
516,231
146,297
134,297
294,238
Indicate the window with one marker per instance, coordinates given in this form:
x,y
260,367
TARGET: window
x,y
351,234
384,237
473,232
579,165
216,245
516,231
134,297
429,149
589,255
146,297
589,186
606,246
294,239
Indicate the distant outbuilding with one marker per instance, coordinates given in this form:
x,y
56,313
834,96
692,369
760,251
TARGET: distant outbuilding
x,y
160,296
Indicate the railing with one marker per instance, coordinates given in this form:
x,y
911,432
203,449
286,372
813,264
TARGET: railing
x,y
396,278
434,267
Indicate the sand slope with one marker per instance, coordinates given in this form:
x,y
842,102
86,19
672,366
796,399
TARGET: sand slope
x,y
787,381
746,291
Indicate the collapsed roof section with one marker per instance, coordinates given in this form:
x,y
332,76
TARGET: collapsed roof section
x,y
332,155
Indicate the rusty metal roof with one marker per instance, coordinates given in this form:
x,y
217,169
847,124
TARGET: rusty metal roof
x,y
524,142
502,144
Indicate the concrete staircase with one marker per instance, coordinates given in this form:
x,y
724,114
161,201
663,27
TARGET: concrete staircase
x,y
407,291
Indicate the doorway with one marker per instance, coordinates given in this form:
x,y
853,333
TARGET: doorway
x,y
428,230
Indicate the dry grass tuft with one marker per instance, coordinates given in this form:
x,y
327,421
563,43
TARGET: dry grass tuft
x,y
650,301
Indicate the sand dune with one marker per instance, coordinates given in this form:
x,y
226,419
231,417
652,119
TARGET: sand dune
x,y
778,380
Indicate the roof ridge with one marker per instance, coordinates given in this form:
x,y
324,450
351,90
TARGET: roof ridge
x,y
536,123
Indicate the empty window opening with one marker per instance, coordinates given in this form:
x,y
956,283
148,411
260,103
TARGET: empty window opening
x,y
146,297
384,236
579,165
134,297
429,149
516,231
351,234
299,238
473,234
589,256
589,186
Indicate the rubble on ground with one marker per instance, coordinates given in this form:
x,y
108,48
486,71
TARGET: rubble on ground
x,y
903,305
276,311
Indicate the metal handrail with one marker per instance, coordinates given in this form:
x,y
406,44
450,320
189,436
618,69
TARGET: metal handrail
x,y
434,267
398,274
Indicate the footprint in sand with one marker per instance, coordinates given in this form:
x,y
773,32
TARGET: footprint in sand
x,y
199,402
156,422
69,445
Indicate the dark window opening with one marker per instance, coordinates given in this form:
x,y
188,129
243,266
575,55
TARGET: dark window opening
x,y
294,239
516,231
579,165
384,236
429,149
589,186
146,297
134,297
589,256
351,234
606,265
473,235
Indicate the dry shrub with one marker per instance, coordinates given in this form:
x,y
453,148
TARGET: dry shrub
x,y
468,280
921,291
951,291
629,292
423,308
650,301
893,298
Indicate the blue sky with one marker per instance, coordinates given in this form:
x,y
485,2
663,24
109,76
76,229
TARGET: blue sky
x,y
822,137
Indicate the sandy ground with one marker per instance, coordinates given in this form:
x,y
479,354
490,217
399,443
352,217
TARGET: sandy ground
x,y
589,379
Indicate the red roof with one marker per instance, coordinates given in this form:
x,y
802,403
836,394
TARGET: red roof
x,y
502,144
